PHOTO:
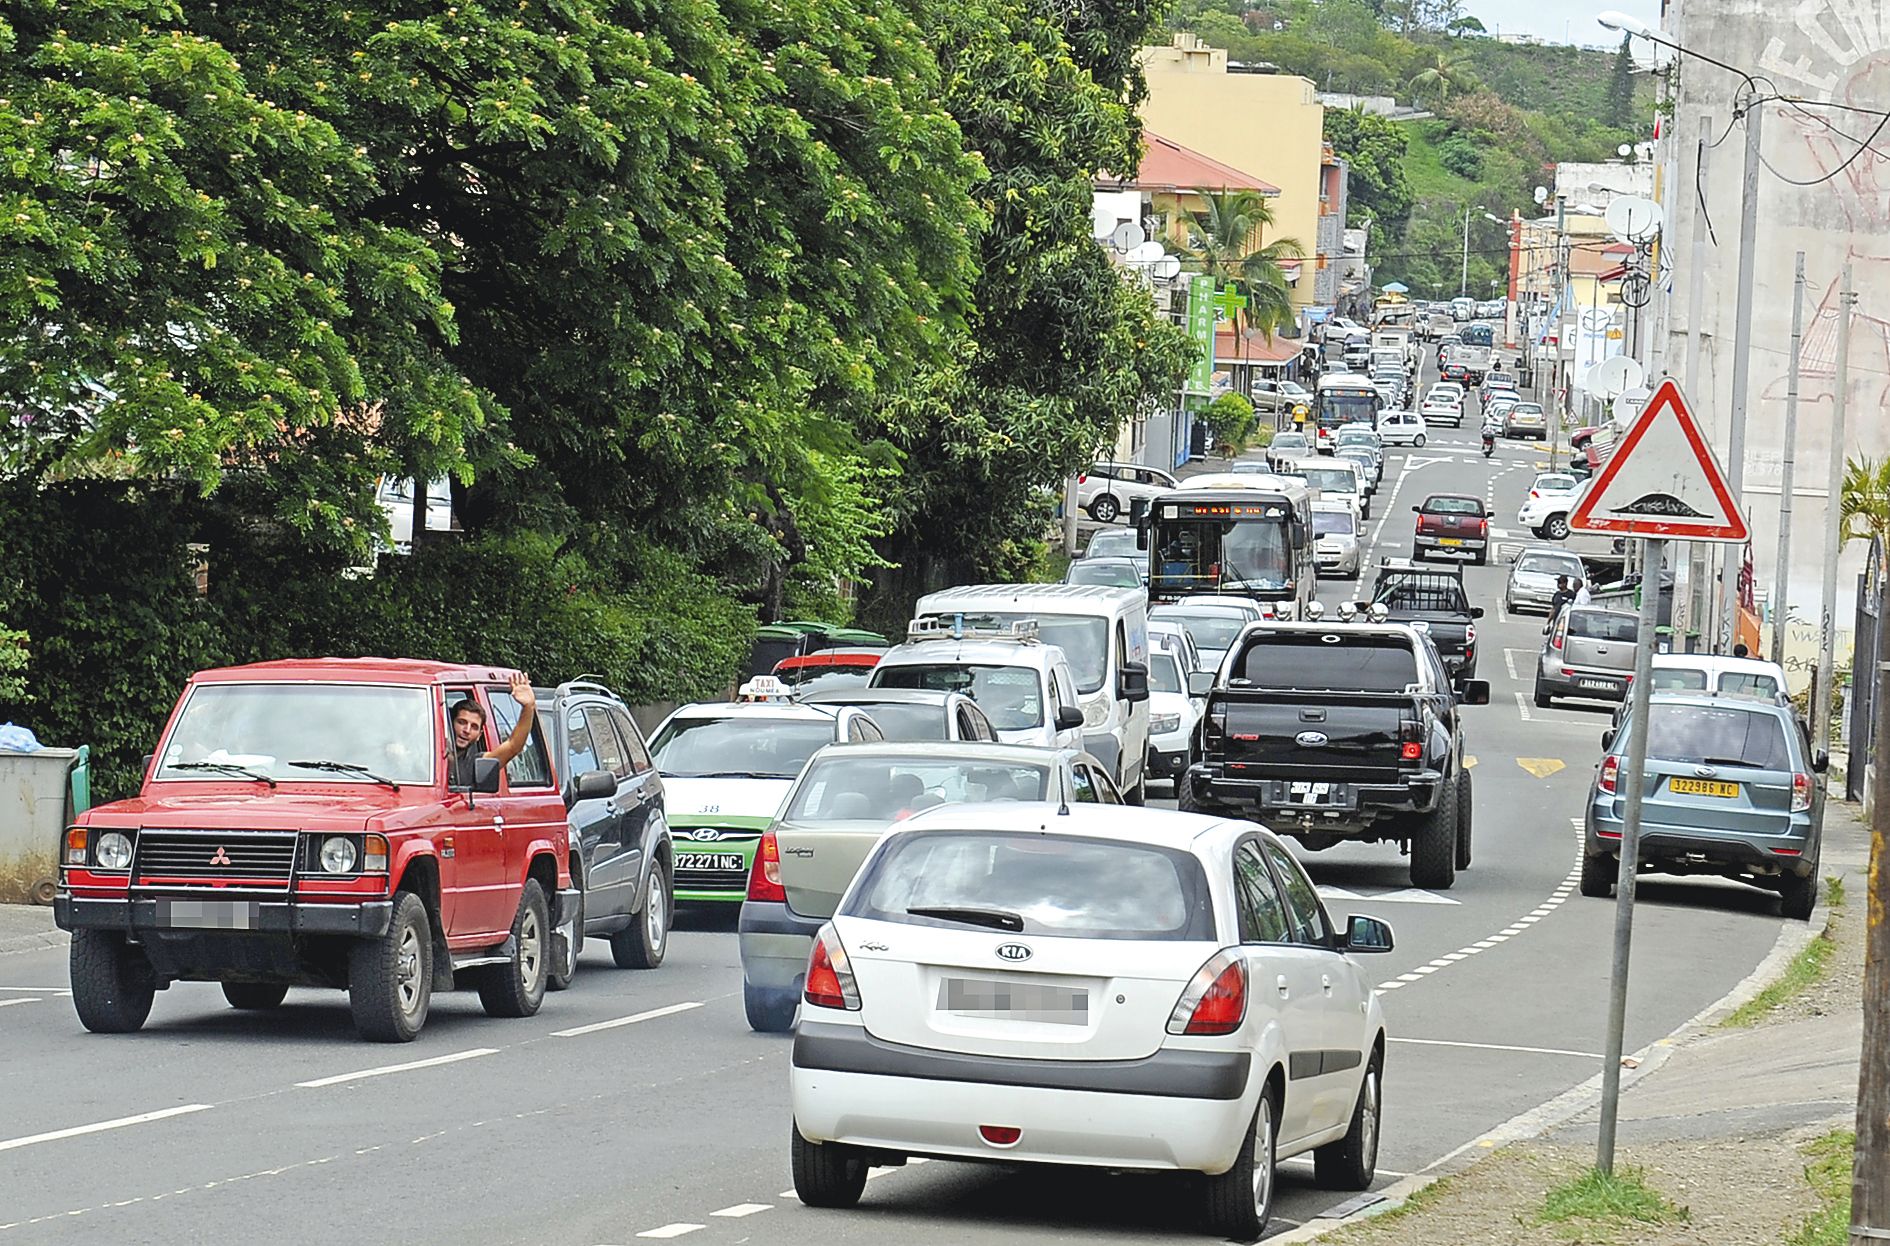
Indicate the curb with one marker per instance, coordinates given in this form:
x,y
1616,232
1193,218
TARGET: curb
x,y
1578,1099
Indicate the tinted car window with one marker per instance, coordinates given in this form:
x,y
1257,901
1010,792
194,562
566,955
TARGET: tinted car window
x,y
1307,661
632,739
879,789
1717,736
1602,625
1085,790
610,751
583,752
1452,506
532,767
1262,911
1077,888
1010,696
1687,680
1302,901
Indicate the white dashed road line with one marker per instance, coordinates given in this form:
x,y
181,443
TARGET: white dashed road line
x,y
672,1230
740,1210
669,1010
1529,1051
385,1069
27,999
97,1127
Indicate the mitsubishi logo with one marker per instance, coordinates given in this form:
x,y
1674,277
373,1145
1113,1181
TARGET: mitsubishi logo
x,y
219,857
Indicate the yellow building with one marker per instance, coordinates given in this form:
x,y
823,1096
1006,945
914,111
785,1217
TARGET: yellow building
x,y
1268,124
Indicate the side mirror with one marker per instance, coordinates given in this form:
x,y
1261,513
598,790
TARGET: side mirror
x,y
1820,762
1069,718
1607,739
1138,511
1417,510
1141,535
1476,612
1132,682
485,777
594,785
1367,934
144,764
1475,692
1200,683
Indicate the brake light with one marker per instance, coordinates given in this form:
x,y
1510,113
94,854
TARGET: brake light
x,y
1469,636
1082,478
829,974
1534,494
764,877
1215,1001
1410,750
1610,774
1555,639
1801,793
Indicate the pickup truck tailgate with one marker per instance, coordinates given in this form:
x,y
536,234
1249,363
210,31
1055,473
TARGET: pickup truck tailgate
x,y
1351,738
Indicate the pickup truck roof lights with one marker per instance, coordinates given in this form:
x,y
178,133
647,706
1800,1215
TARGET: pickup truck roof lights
x,y
960,626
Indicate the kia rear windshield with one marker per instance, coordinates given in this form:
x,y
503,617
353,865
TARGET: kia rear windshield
x,y
1054,885
1603,625
1709,735
1321,661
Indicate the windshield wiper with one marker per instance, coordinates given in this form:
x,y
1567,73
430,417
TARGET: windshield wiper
x,y
724,774
222,767
1739,762
996,919
345,767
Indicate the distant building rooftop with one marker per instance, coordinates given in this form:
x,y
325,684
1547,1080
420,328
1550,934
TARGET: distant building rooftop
x,y
1169,167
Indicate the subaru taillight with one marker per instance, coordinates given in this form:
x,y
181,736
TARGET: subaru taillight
x,y
1801,793
764,877
1610,774
829,974
1215,1001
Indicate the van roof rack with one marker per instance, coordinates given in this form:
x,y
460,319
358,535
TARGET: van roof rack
x,y
961,626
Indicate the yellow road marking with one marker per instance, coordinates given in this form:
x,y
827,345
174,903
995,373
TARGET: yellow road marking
x,y
1541,767
1469,761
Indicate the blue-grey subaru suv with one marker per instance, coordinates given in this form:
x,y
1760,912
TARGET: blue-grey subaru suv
x,y
1732,788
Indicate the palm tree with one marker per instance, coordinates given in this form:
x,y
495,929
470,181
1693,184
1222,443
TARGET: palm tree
x,y
1445,74
1864,500
1225,241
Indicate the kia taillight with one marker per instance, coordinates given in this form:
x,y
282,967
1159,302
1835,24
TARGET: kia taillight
x,y
829,974
1215,1001
1555,640
1610,774
764,877
1801,793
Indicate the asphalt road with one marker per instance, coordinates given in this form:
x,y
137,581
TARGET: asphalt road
x,y
638,1106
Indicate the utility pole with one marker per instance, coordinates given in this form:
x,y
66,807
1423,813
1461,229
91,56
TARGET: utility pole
x,y
1780,575
1562,287
1742,362
1069,517
1834,485
1697,551
419,512
1870,1163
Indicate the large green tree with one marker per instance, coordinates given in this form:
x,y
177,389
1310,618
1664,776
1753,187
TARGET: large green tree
x,y
1373,149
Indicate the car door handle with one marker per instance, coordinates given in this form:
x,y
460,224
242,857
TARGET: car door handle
x,y
1281,982
1325,983
498,823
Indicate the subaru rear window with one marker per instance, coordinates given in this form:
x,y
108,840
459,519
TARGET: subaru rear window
x,y
1036,884
1711,735
1333,660
1603,625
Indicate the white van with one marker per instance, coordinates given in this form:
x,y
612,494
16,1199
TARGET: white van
x,y
1103,632
1025,687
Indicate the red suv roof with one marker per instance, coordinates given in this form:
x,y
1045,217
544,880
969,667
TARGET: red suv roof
x,y
359,670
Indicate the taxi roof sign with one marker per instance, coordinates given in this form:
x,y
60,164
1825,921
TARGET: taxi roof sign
x,y
1662,480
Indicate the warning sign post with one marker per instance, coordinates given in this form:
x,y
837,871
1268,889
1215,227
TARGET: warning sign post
x,y
1661,483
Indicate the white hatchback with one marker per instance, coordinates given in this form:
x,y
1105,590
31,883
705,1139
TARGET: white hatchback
x,y
1402,428
1091,985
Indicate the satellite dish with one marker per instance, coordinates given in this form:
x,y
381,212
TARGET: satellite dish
x,y
1143,252
1168,268
1616,375
1634,219
1628,404
1542,195
1102,222
1126,236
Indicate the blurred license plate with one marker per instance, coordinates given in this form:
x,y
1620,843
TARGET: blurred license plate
x,y
211,914
1598,685
1702,787
1014,1001
709,861
1449,540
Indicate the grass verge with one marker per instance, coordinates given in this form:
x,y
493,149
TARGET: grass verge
x,y
1829,1172
1806,968
1418,1201
1601,1199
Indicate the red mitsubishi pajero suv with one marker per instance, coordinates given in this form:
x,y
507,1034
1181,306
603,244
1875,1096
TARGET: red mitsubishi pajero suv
x,y
296,827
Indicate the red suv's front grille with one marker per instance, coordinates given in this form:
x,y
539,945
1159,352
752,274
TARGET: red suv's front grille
x,y
214,859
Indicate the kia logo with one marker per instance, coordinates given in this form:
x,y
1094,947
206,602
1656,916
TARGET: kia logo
x,y
1013,952
705,835
219,857
1311,739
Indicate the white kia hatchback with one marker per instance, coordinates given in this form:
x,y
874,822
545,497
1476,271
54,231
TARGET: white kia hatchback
x,y
1092,985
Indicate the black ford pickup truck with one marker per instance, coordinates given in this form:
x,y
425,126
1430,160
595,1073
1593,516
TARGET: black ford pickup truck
x,y
1340,732
1432,600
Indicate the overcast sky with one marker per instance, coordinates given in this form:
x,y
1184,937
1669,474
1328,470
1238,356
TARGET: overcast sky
x,y
1559,21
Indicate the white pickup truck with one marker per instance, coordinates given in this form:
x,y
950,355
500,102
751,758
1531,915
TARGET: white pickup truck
x,y
1474,359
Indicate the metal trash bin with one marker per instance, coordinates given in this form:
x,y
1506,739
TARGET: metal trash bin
x,y
39,793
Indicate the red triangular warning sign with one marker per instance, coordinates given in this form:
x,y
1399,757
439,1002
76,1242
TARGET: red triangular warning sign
x,y
1662,481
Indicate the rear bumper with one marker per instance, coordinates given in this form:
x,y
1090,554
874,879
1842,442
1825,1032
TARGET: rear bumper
x,y
1426,540
1689,850
366,920
774,943
1599,686
1269,795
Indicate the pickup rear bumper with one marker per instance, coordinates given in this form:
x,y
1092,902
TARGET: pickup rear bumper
x,y
1352,805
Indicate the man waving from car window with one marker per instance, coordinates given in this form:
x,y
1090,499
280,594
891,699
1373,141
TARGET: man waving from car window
x,y
469,733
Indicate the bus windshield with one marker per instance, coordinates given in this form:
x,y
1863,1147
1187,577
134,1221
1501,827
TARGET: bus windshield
x,y
1350,405
1199,555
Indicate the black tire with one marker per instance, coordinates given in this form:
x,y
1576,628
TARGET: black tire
x,y
769,1012
1556,529
1417,442
1418,554
112,982
1239,1202
1798,896
1351,1163
517,988
1466,805
559,977
644,942
1184,794
1598,875
255,996
1104,509
827,1174
390,979
1434,844
1543,699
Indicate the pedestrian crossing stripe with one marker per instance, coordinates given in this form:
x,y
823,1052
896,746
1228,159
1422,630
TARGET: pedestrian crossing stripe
x,y
1404,895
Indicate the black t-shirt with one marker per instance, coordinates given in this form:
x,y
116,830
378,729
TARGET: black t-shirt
x,y
460,764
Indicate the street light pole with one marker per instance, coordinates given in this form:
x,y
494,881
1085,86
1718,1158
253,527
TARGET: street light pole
x,y
1780,573
1833,537
1699,553
1742,363
1463,280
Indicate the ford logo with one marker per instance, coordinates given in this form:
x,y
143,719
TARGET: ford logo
x,y
702,835
1311,739
1013,952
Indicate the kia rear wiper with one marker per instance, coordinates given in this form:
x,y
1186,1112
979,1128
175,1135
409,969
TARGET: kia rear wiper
x,y
222,767
996,919
345,767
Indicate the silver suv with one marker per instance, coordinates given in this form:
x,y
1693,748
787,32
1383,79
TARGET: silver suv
x,y
1732,788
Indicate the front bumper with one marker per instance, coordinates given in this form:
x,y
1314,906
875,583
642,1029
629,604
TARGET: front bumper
x,y
712,886
1356,804
1673,849
775,942
1167,760
1181,1108
365,919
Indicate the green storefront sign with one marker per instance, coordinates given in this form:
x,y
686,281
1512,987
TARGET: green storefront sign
x,y
1201,316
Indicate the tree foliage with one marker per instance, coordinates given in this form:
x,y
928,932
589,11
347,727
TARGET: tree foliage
x,y
1620,109
1374,151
